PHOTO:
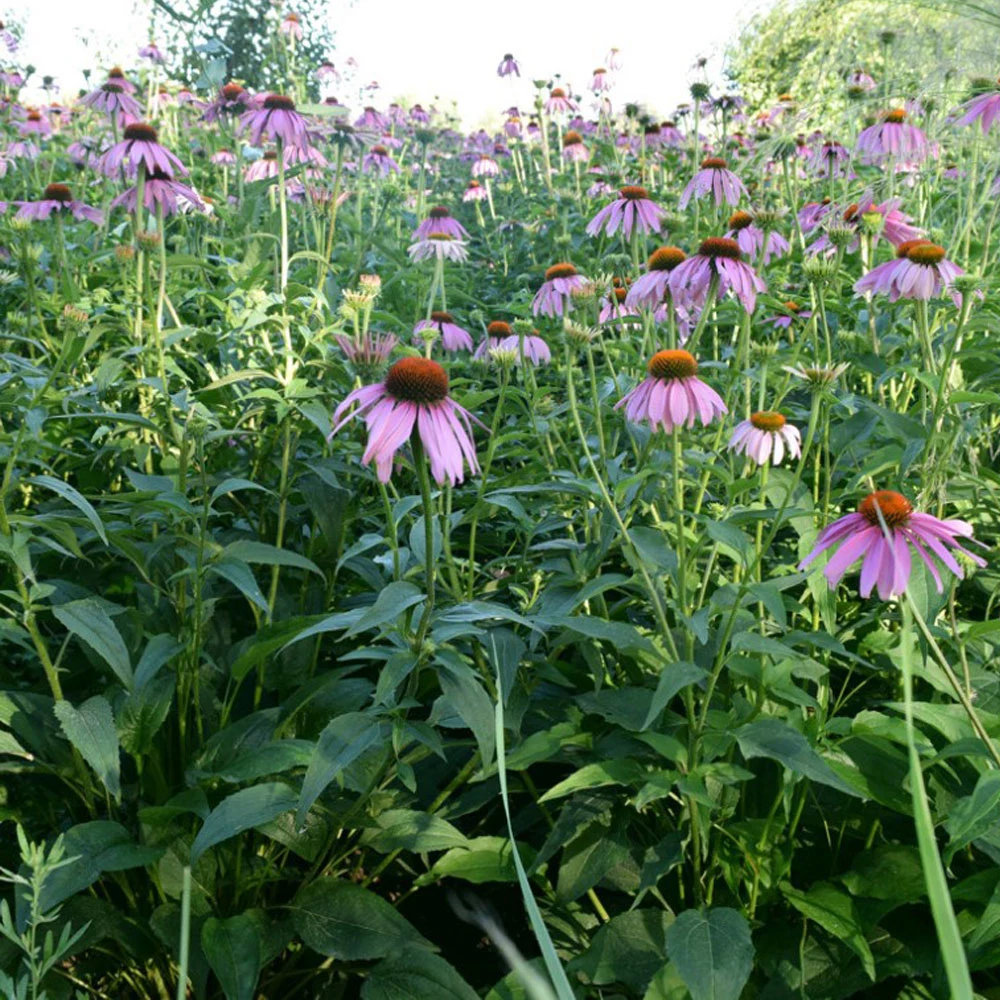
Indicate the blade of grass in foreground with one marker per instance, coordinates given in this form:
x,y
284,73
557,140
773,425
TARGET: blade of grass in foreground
x,y
557,974
952,952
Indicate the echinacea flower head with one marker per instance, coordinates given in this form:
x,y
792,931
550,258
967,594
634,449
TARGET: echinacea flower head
x,y
554,296
883,530
894,137
558,103
113,100
453,337
984,108
439,221
715,179
766,436
754,241
160,192
475,192
153,53
413,399
57,198
600,80
276,120
232,99
438,245
116,75
509,66
369,354
920,271
672,395
651,288
574,150
379,160
632,210
291,26
721,259
530,346
140,147
819,377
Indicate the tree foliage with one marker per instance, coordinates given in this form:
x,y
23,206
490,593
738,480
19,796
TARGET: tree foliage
x,y
804,47
238,39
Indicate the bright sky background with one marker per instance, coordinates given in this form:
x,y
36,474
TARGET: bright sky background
x,y
444,49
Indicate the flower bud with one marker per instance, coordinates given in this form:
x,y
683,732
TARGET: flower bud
x,y
872,223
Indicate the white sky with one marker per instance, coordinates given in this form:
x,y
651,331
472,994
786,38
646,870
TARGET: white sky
x,y
444,49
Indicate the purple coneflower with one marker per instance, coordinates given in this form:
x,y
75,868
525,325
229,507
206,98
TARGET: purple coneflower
x,y
112,99
718,258
553,298
475,192
277,120
633,210
792,312
116,75
152,53
57,198
830,159
372,121
813,213
558,103
438,245
920,271
887,561
495,333
223,158
232,99
614,59
717,179
291,26
574,150
895,228
614,306
893,137
508,66
379,160
35,124
413,398
139,145
651,288
160,191
984,108
751,239
861,82
766,436
485,166
533,346
368,353
453,337
672,395
440,221
600,81
262,169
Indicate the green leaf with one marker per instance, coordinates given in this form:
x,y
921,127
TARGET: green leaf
x,y
269,555
891,872
777,740
241,811
342,920
712,951
76,498
341,743
91,729
673,678
87,620
388,606
159,650
232,948
606,772
143,712
483,859
241,576
623,636
834,910
468,697
415,974
628,949
409,830
232,485
972,816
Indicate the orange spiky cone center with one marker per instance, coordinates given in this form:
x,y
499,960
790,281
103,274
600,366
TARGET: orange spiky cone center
x,y
417,380
672,364
895,508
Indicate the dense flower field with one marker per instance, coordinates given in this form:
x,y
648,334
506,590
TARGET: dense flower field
x,y
551,562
